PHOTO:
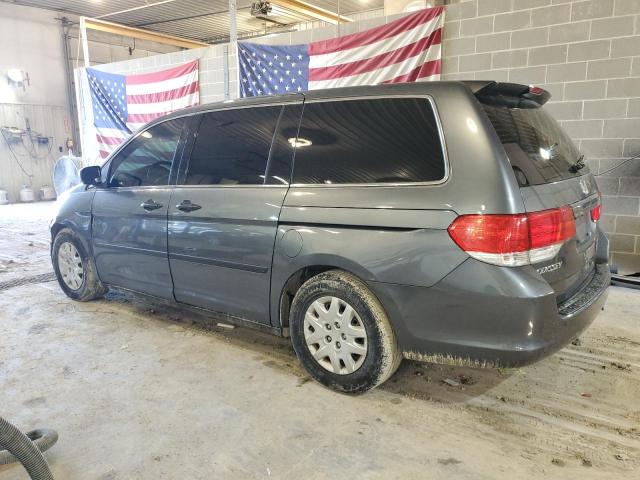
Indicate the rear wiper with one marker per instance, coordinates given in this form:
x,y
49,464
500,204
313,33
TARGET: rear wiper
x,y
579,165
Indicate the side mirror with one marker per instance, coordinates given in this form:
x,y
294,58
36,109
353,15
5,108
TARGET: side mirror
x,y
91,175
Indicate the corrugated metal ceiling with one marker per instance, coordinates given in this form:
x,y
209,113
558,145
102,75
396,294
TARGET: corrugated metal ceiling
x,y
206,20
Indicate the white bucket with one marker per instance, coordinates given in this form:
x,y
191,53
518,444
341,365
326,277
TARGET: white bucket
x,y
47,193
26,194
4,197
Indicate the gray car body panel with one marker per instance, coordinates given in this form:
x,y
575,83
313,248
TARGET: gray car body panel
x,y
238,252
579,255
73,210
369,217
130,243
220,255
483,315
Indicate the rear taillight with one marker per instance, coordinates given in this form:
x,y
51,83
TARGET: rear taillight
x,y
513,240
597,210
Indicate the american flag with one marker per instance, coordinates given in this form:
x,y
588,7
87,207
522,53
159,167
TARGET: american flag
x,y
405,50
123,103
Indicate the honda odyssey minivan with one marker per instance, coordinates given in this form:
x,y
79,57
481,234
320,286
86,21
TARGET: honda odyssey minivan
x,y
449,222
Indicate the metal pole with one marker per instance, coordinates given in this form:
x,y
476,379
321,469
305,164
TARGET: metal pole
x,y
140,33
85,42
233,26
233,39
338,24
71,94
225,69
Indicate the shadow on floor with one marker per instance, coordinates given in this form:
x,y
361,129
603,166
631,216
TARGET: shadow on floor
x,y
426,381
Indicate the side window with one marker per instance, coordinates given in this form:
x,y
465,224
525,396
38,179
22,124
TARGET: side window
x,y
232,147
284,146
390,140
147,159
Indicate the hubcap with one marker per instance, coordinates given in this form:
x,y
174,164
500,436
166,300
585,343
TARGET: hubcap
x,y
70,265
335,335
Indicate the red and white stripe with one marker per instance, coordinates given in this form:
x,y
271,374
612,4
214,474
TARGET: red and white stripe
x,y
405,50
109,139
151,95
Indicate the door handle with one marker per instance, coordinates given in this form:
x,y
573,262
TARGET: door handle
x,y
150,205
187,206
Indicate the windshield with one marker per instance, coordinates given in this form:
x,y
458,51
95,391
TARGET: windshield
x,y
537,147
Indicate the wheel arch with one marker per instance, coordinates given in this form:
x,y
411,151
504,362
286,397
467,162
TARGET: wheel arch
x,y
303,273
80,233
55,229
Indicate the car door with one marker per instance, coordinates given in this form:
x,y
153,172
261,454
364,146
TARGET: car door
x,y
224,212
129,214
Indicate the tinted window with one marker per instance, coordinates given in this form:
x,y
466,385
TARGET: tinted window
x,y
538,149
147,159
232,147
368,141
284,145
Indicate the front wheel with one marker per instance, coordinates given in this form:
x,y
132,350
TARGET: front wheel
x,y
74,268
341,333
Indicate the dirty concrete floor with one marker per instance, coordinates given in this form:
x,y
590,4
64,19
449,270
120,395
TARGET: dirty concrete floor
x,y
141,390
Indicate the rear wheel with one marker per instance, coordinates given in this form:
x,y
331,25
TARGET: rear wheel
x,y
74,268
341,333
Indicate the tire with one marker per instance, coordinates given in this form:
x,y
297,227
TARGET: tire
x,y
86,285
364,326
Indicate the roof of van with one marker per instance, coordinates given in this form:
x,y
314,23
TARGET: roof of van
x,y
480,88
414,88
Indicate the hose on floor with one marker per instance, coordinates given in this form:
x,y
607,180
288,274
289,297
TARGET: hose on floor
x,y
27,449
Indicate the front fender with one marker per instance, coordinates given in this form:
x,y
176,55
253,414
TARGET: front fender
x,y
74,212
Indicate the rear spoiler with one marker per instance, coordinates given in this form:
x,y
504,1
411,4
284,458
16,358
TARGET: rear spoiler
x,y
513,95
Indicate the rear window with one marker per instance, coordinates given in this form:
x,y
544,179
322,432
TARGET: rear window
x,y
537,147
392,140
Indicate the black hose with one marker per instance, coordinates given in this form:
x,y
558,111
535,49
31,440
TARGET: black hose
x,y
43,438
25,451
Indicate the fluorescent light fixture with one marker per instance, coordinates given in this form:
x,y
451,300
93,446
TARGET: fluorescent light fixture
x,y
299,142
277,10
416,5
15,75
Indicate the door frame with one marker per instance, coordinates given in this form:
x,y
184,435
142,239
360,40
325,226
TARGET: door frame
x,y
193,128
105,172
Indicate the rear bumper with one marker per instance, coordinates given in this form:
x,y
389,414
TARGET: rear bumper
x,y
482,315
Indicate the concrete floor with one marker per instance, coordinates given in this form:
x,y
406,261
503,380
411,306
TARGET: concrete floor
x,y
140,390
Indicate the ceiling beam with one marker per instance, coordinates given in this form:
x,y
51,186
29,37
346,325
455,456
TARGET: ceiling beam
x,y
310,10
141,34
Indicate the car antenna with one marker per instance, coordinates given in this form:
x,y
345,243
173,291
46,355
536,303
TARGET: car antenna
x,y
619,165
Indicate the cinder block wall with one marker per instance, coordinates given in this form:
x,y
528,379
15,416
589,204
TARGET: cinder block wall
x,y
587,54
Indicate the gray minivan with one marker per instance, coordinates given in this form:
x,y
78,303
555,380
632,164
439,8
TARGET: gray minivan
x,y
449,222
